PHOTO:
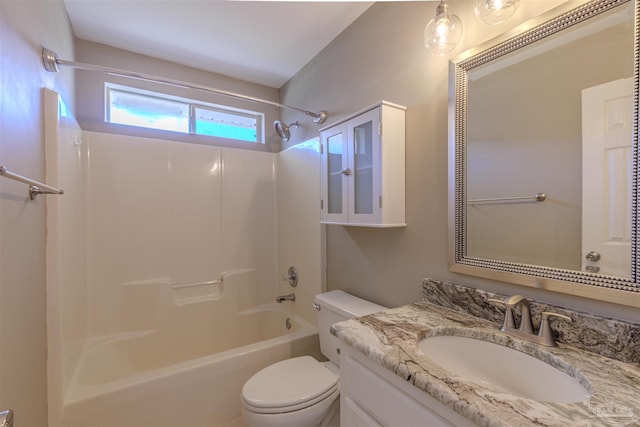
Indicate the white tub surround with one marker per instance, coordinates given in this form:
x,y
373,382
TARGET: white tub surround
x,y
390,340
163,262
125,379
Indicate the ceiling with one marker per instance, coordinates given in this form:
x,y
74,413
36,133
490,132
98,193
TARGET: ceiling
x,y
258,41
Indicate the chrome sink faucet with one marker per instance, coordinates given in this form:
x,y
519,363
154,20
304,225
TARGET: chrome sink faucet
x,y
512,302
525,328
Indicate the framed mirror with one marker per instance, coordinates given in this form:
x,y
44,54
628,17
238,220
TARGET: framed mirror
x,y
543,154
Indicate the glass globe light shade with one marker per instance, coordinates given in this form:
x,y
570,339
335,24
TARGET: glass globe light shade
x,y
495,11
443,32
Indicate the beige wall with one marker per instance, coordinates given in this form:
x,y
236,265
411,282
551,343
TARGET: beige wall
x,y
381,56
25,26
299,229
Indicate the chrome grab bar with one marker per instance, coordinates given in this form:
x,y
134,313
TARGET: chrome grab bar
x,y
35,187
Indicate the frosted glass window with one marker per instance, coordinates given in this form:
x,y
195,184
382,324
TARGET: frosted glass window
x,y
137,107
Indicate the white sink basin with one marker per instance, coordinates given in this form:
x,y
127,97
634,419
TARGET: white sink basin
x,y
514,372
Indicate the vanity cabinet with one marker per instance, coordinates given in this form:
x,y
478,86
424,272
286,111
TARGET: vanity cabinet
x,y
372,396
363,168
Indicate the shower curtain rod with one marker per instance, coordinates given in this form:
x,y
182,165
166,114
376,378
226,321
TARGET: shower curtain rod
x,y
52,62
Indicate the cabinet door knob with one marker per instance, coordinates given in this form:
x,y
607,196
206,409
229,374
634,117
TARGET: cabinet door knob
x,y
346,171
593,256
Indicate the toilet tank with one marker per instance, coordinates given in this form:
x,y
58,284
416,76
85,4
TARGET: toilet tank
x,y
336,306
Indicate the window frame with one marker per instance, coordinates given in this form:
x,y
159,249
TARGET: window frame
x,y
193,105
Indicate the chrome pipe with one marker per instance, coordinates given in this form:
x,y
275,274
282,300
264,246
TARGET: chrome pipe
x,y
52,64
288,297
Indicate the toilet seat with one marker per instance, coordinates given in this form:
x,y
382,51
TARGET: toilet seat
x,y
289,385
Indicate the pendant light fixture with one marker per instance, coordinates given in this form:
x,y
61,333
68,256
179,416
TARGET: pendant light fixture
x,y
443,32
495,11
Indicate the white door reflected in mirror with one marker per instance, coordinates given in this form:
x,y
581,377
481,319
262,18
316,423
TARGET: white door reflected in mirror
x,y
607,126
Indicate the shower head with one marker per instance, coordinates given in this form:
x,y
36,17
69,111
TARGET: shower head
x,y
283,130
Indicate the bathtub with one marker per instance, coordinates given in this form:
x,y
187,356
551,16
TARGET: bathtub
x,y
183,378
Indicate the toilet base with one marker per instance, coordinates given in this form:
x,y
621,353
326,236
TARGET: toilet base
x,y
322,414
333,419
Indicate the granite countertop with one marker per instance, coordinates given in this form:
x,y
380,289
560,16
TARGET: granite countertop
x,y
390,338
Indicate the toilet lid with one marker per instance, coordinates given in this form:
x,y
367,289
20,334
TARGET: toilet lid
x,y
292,382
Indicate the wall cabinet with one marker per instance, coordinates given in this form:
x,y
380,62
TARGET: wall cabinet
x,y
372,396
363,168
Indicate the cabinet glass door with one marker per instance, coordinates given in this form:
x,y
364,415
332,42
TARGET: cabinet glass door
x,y
364,159
335,158
363,168
335,174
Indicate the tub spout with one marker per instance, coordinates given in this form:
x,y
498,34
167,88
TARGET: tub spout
x,y
289,297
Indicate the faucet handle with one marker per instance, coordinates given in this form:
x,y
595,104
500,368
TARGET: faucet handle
x,y
545,330
291,277
508,322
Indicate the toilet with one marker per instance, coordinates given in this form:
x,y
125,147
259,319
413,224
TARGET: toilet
x,y
302,392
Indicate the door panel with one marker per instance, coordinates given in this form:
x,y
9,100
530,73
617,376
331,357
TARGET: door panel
x,y
607,126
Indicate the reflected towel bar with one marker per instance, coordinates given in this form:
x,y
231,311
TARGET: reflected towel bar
x,y
538,197
35,187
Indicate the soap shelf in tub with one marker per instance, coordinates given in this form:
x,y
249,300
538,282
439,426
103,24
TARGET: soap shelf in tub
x,y
193,292
187,293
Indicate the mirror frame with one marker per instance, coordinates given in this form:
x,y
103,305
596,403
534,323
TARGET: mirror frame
x,y
620,290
